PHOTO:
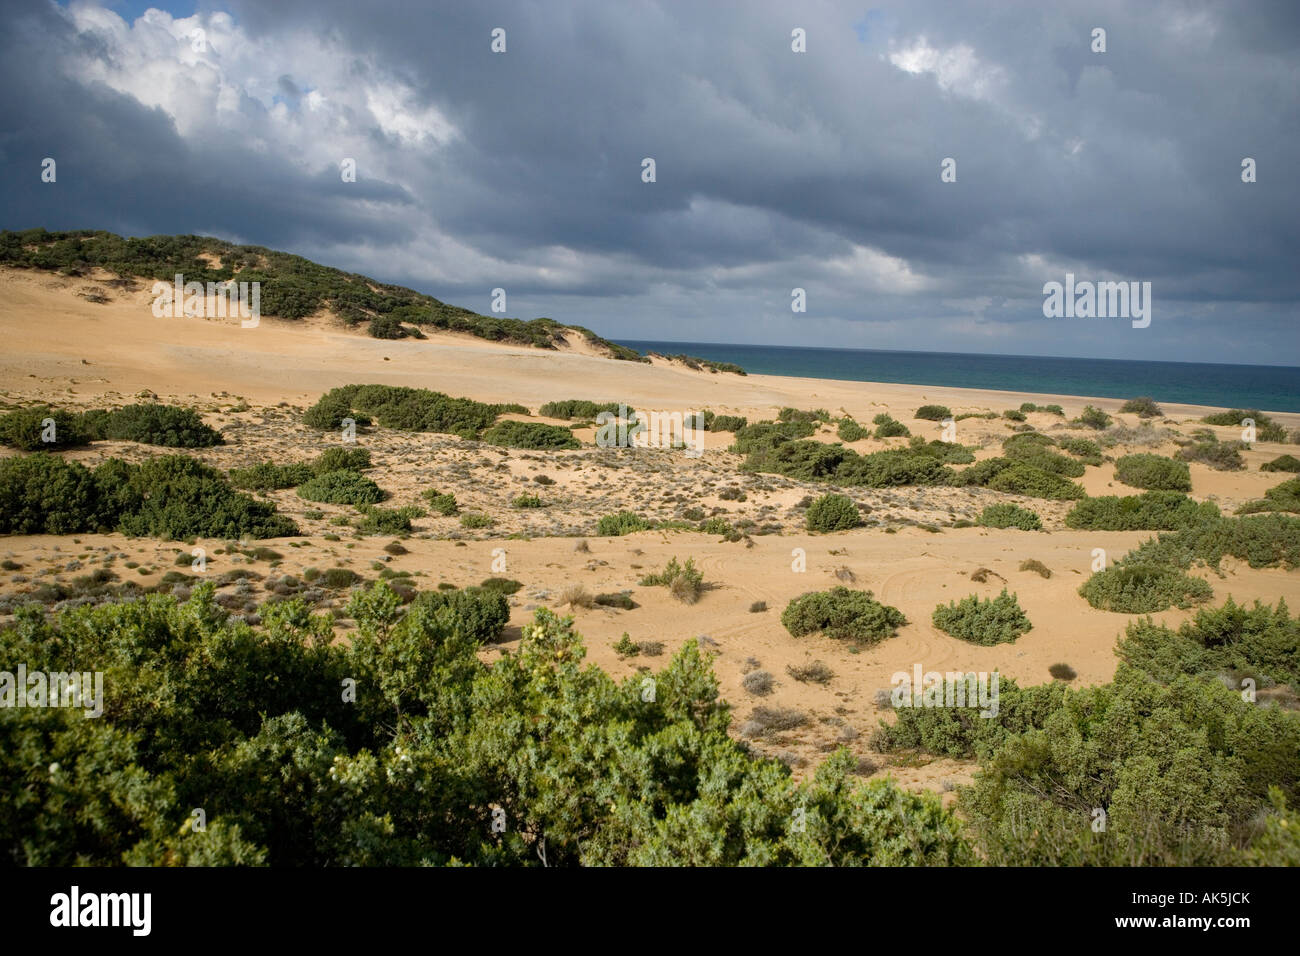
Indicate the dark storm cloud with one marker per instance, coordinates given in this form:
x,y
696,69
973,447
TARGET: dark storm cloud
x,y
774,169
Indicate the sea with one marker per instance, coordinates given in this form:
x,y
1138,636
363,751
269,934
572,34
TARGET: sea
x,y
1265,387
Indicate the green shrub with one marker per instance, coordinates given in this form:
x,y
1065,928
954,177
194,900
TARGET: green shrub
x,y
1262,541
533,435
624,522
1021,479
832,513
1261,642
1092,417
843,615
386,327
1014,414
619,600
1235,416
851,431
684,581
1142,407
444,504
1283,497
175,497
377,520
266,476
1051,409
342,459
808,417
1152,511
1154,472
527,501
724,423
405,409
1282,463
888,427
768,435
933,413
1083,448
1221,456
990,621
474,520
1036,455
336,579
501,585
43,494
476,614
341,487
1139,588
1007,515
25,428
151,424
579,409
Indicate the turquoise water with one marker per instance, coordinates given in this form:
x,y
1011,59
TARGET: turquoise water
x,y
1268,387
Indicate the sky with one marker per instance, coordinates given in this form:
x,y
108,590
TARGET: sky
x,y
774,170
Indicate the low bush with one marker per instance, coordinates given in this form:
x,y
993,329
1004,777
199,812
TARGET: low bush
x,y
1282,463
151,424
342,459
443,504
989,621
618,600
1143,588
406,409
1153,472
477,614
501,585
832,513
1033,564
526,501
341,487
724,423
1083,448
1142,408
1023,479
624,522
684,581
889,427
816,672
578,409
1152,511
788,414
1014,414
475,520
1221,456
266,476
1006,515
933,413
1062,672
1092,417
29,429
758,683
1051,409
842,614
377,520
849,430
532,435
1283,497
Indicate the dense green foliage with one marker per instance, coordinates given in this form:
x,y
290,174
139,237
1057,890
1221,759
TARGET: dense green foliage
x,y
790,415
1283,497
1051,409
406,409
172,497
624,522
933,413
266,476
1262,541
1007,515
1154,472
166,425
342,487
1142,408
1093,417
1152,511
723,423
1135,587
26,428
889,427
579,409
1262,643
444,504
1266,429
989,621
833,513
252,725
1085,449
1221,456
842,614
1282,463
849,430
534,435
683,581
291,287
1025,479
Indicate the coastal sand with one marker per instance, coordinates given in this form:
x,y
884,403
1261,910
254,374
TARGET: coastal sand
x,y
252,383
